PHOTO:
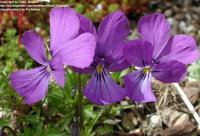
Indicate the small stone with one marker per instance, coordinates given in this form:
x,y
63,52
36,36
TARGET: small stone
x,y
175,8
195,17
158,10
168,13
187,3
196,9
198,34
188,16
129,121
98,7
168,4
174,25
171,20
155,119
124,103
179,16
37,29
190,28
182,27
174,118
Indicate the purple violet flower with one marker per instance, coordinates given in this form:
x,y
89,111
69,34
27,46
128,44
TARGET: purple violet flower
x,y
66,48
112,31
158,55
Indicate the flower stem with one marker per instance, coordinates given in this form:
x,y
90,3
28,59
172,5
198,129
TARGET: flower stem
x,y
108,109
80,104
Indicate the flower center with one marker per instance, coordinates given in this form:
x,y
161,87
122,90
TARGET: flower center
x,y
147,69
48,69
99,68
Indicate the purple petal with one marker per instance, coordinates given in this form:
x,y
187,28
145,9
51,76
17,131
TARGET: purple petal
x,y
182,48
116,61
112,30
118,65
32,84
101,89
138,52
138,86
86,26
155,29
80,51
84,71
39,92
34,46
64,26
58,72
169,72
91,68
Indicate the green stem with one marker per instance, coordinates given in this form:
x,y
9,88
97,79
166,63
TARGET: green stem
x,y
108,109
80,104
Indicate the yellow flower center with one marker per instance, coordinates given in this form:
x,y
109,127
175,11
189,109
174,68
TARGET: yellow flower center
x,y
147,69
48,69
99,68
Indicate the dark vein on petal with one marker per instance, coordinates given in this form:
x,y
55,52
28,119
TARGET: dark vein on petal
x,y
103,75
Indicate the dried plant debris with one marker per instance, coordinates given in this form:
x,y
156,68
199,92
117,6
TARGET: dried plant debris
x,y
187,129
172,118
192,90
164,116
129,121
167,95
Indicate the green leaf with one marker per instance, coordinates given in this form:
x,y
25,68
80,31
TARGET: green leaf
x,y
27,132
52,132
4,123
88,129
113,8
88,112
34,119
10,33
194,71
104,130
38,128
79,8
122,107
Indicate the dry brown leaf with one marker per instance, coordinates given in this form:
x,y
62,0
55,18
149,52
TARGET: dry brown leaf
x,y
192,90
174,118
179,130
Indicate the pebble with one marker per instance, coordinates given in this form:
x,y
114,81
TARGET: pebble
x,y
198,34
188,16
155,119
174,25
196,17
189,29
183,16
174,118
168,13
171,21
179,16
182,26
124,103
129,121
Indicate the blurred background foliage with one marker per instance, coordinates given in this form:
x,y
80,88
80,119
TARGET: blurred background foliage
x,y
56,114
